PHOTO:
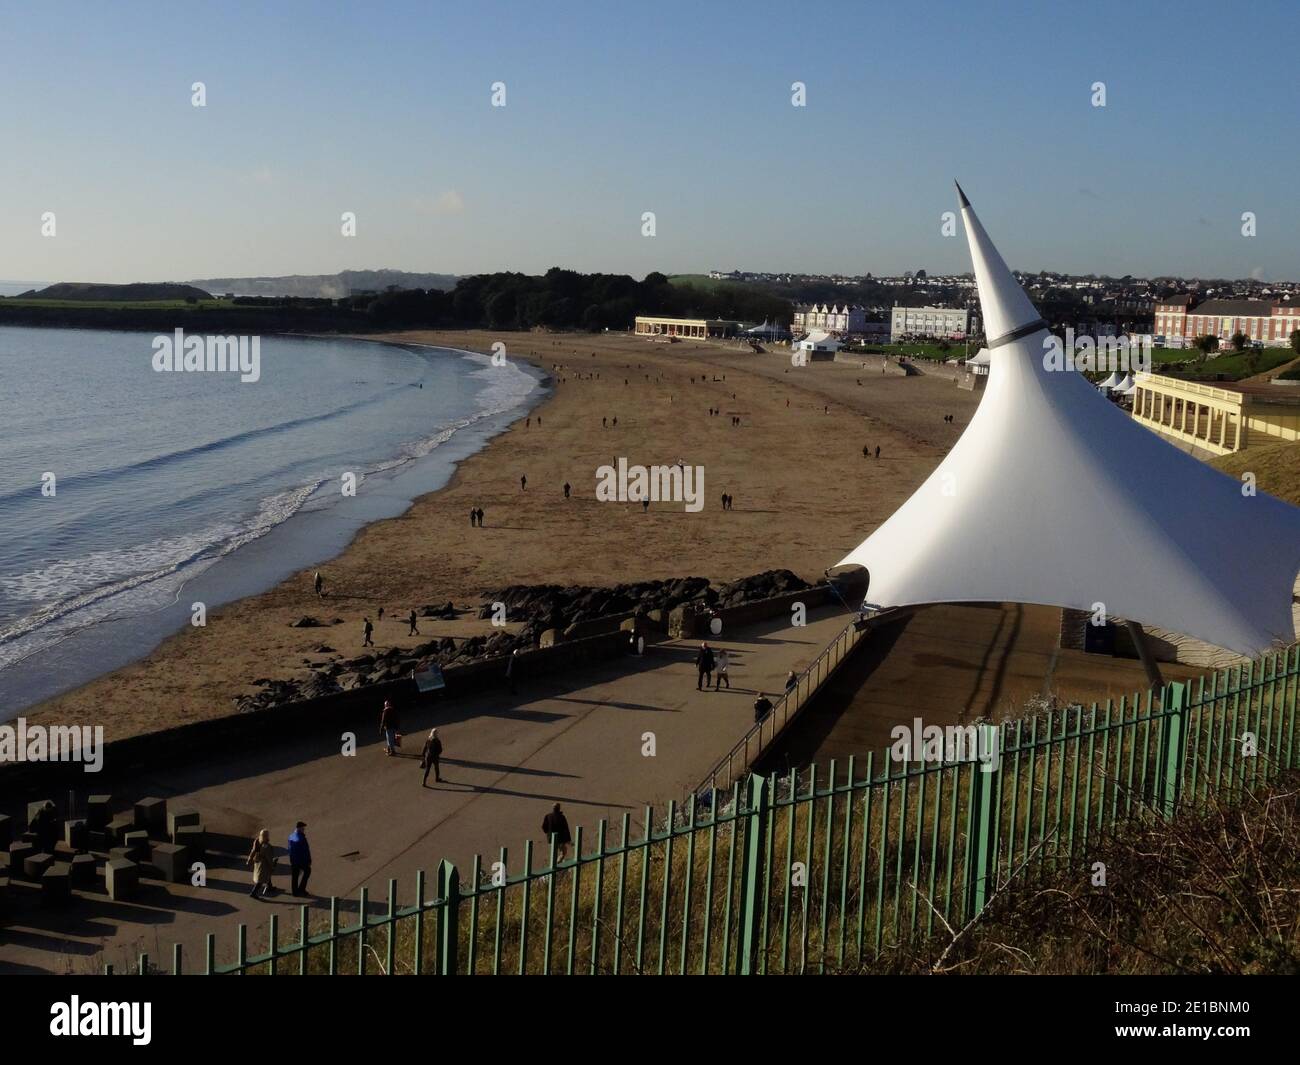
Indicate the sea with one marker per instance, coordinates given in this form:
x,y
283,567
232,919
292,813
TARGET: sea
x,y
127,494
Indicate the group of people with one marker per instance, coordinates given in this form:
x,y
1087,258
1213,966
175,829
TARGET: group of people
x,y
726,501
708,664
476,517
866,451
261,859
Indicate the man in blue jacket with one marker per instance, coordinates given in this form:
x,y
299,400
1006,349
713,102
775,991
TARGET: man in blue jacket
x,y
299,859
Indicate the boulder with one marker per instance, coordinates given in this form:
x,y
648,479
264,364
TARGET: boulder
x,y
305,622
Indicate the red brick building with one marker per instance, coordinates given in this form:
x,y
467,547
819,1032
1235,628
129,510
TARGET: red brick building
x,y
1181,318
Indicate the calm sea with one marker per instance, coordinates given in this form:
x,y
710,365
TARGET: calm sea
x,y
174,488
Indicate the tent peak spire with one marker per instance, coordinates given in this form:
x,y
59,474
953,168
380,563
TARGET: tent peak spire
x,y
961,196
1008,314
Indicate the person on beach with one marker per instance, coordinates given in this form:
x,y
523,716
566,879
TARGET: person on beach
x,y
389,724
877,451
724,660
566,489
480,517
704,666
262,860
319,582
523,484
866,451
414,629
645,506
366,630
299,860
556,826
473,516
762,707
381,614
429,758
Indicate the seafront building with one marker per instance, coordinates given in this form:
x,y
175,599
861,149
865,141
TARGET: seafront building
x,y
1180,320
834,319
699,328
949,323
1217,418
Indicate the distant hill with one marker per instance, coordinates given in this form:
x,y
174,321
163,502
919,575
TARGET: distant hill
x,y
328,286
86,290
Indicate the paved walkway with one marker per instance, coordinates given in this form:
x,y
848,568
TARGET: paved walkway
x,y
505,761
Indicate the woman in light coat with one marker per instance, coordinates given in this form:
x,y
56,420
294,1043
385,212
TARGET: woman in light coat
x,y
262,859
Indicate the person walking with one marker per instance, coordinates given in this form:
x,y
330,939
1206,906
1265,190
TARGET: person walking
x,y
299,859
762,707
791,680
319,583
556,826
389,725
877,451
429,758
473,516
523,484
262,859
704,665
724,660
566,489
366,630
414,629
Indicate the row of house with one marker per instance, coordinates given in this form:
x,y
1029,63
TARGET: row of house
x,y
1181,320
810,317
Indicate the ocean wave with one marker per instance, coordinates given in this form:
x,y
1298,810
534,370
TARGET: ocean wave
x,y
106,585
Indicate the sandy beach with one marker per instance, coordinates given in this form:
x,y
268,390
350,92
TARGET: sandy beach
x,y
803,496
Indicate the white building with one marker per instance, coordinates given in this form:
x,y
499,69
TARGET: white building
x,y
819,343
832,319
946,322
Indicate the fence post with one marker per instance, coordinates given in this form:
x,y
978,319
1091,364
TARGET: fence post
x,y
981,853
751,874
448,918
1173,748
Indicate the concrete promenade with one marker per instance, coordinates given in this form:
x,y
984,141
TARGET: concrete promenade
x,y
506,760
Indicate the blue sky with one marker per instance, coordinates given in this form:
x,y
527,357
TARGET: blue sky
x,y
614,109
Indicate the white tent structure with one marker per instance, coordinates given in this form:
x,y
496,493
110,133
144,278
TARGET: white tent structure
x,y
1126,384
1054,496
819,341
979,362
1110,382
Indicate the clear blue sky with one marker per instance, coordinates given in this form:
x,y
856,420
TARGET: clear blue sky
x,y
618,108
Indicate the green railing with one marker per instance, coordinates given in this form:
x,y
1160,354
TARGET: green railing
x,y
818,872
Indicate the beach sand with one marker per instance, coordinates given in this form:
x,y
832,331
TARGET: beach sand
x,y
804,496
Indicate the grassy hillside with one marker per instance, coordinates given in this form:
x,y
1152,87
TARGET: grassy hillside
x,y
1275,466
141,292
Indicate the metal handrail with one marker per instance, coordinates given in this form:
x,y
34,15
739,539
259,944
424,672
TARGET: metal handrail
x,y
801,691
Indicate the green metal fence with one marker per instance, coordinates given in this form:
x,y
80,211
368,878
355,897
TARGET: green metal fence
x,y
817,871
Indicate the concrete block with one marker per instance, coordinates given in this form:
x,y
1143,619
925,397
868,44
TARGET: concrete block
x,y
56,887
172,862
151,815
99,839
6,830
99,811
121,878
18,854
137,837
177,818
76,834
83,870
120,826
34,865
194,839
135,852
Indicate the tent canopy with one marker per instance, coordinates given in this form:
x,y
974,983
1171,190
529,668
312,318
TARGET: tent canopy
x,y
1055,496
